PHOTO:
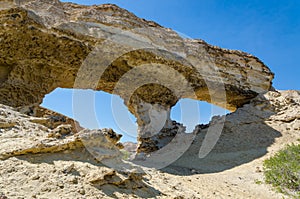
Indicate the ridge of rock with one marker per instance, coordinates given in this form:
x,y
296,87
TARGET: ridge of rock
x,y
49,44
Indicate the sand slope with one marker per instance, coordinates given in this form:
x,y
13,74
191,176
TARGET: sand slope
x,y
34,165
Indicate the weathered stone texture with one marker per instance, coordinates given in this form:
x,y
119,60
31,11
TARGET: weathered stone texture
x,y
44,43
48,44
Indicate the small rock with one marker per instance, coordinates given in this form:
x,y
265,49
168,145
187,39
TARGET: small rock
x,y
73,180
35,177
81,191
60,185
193,171
258,170
68,169
60,131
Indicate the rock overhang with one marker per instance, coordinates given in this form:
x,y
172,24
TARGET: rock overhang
x,y
49,44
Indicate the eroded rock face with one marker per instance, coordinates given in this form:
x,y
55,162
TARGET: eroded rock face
x,y
35,164
247,134
21,134
230,140
49,44
62,162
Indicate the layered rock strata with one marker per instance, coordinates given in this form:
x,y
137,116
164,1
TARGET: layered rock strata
x,y
49,44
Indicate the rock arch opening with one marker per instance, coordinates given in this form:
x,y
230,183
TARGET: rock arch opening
x,y
42,51
191,112
111,112
61,101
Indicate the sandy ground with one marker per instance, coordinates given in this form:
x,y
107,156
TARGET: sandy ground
x,y
243,181
64,168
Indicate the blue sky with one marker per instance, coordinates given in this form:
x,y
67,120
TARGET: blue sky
x,y
268,29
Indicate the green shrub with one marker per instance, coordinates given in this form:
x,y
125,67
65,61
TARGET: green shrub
x,y
283,170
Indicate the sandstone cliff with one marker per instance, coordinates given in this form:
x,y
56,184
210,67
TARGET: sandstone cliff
x,y
44,44
43,154
49,44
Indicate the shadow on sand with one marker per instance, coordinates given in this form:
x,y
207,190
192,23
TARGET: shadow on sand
x,y
245,137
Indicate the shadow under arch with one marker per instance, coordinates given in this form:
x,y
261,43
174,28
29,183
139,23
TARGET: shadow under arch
x,y
237,145
244,138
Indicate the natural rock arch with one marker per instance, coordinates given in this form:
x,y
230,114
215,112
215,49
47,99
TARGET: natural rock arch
x,y
45,45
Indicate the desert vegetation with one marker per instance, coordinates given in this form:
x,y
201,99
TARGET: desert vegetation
x,y
283,170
